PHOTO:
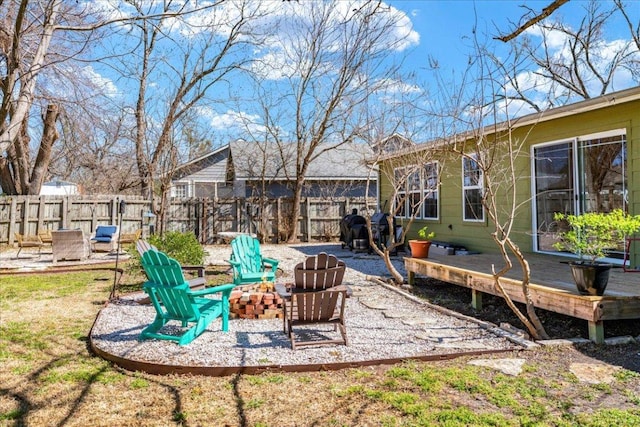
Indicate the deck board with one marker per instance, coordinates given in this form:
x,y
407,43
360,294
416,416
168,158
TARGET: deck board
x,y
551,288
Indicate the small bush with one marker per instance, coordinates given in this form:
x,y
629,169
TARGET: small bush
x,y
183,247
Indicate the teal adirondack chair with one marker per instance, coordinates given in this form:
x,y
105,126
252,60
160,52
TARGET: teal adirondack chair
x,y
249,266
174,300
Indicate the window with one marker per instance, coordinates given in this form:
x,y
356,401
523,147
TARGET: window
x,y
399,182
417,191
472,189
180,190
430,191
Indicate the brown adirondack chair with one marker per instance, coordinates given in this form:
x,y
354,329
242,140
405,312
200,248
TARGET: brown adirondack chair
x,y
317,297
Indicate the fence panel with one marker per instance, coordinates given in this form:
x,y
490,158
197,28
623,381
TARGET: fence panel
x,y
205,217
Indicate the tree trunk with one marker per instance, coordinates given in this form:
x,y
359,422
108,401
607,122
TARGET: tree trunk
x,y
295,212
49,137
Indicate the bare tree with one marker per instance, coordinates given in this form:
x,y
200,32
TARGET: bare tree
x,y
44,48
532,20
493,159
315,80
412,175
180,55
554,63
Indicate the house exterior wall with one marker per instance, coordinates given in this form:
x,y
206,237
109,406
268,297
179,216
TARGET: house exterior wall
x,y
450,226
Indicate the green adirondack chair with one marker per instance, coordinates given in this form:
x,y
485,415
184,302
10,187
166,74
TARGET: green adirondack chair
x,y
249,266
174,300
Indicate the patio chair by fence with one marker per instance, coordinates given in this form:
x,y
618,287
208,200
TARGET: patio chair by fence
x,y
69,245
317,297
173,300
45,236
249,266
105,238
129,238
28,241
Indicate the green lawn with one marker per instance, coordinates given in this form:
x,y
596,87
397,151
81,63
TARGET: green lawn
x,y
48,377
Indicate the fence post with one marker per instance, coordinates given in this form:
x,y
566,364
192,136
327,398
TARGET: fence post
x,y
41,208
278,218
307,209
65,210
12,219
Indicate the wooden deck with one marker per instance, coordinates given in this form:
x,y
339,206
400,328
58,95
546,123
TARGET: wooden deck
x,y
552,286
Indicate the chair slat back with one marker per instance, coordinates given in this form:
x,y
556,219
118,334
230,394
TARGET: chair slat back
x,y
168,287
316,306
143,246
319,272
246,250
175,300
161,269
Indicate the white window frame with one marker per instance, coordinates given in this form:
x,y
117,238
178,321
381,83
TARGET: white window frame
x,y
180,187
470,184
415,189
431,188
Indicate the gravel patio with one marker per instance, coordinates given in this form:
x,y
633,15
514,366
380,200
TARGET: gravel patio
x,y
384,325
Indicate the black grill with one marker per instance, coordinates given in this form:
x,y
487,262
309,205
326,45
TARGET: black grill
x,y
353,232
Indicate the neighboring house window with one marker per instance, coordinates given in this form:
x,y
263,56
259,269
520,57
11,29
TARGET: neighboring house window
x,y
472,189
180,190
430,190
417,191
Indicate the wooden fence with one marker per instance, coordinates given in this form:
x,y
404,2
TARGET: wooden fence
x,y
206,217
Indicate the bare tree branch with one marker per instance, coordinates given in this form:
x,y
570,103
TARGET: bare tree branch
x,y
547,11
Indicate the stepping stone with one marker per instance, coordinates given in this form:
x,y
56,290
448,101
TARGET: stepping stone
x,y
506,366
464,345
438,335
393,314
419,321
593,373
376,304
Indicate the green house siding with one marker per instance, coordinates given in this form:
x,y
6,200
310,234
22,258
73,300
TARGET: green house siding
x,y
588,117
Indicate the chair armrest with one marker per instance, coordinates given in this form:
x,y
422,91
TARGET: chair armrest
x,y
272,262
234,264
216,289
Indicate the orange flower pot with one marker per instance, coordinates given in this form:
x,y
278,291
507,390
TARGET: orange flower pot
x,y
420,248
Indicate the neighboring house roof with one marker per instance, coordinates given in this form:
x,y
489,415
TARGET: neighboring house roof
x,y
344,162
609,99
244,160
209,167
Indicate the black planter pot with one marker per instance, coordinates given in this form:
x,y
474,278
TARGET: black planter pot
x,y
590,278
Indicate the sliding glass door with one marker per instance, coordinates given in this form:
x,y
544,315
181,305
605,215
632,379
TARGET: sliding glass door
x,y
586,174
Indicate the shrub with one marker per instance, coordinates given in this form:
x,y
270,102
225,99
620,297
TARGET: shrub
x,y
184,247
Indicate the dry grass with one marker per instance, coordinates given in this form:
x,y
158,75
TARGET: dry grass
x,y
48,377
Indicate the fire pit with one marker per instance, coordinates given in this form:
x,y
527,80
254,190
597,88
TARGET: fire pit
x,y
257,301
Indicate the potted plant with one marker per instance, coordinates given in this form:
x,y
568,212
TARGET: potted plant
x,y
590,236
420,247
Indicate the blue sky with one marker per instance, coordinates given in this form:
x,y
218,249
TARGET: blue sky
x,y
437,29
443,26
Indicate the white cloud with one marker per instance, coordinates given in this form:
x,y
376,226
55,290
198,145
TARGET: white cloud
x,y
104,85
286,24
233,122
